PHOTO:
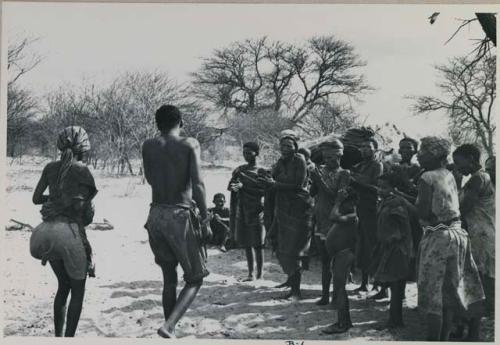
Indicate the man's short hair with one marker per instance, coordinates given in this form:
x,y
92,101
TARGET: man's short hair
x,y
470,150
219,195
167,117
252,146
412,141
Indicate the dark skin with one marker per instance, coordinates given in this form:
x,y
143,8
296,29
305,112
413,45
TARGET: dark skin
x,y
467,166
66,285
288,150
407,151
219,203
346,214
386,189
368,183
252,253
490,168
332,163
172,168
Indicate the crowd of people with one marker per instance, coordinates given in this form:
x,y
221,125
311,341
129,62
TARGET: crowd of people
x,y
414,220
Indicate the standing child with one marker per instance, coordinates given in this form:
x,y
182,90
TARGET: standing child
x,y
219,221
247,210
340,245
393,257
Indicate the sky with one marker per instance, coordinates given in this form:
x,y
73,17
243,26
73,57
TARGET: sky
x,y
96,42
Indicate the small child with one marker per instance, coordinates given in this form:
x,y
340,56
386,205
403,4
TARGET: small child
x,y
219,222
340,244
392,261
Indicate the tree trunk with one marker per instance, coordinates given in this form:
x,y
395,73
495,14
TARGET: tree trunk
x,y
488,22
131,171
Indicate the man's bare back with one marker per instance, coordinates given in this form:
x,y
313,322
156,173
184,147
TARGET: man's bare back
x,y
172,168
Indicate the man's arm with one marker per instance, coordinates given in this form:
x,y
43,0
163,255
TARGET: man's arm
x,y
199,194
145,161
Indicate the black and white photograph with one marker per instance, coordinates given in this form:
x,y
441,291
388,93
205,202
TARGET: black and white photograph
x,y
223,171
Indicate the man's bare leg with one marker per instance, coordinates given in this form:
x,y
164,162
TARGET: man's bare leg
x,y
259,258
186,297
169,296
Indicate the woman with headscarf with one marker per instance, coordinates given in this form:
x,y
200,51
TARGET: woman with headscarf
x,y
61,238
447,276
327,181
247,210
292,210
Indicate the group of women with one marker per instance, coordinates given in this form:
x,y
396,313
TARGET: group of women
x,y
410,222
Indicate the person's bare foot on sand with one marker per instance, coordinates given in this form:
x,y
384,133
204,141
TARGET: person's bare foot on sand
x,y
164,332
282,285
390,325
336,328
294,296
323,300
260,276
362,288
379,295
250,278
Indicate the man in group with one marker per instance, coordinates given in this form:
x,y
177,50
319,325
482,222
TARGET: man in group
x,y
172,168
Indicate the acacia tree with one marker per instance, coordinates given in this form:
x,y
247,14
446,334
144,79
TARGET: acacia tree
x,y
328,117
469,98
261,75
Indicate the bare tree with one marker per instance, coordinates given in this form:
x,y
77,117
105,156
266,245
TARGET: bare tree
x,y
21,104
20,60
469,98
327,118
483,46
259,74
326,67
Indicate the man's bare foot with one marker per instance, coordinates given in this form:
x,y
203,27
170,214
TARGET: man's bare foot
x,y
260,276
165,333
362,288
336,328
390,325
323,300
379,295
282,285
250,278
295,296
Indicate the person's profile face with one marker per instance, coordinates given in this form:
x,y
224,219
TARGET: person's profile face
x,y
406,150
287,148
462,164
249,154
367,149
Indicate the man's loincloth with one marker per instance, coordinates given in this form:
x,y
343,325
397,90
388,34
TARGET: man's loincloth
x,y
173,238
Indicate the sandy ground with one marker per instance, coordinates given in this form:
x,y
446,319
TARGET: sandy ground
x,y
125,298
